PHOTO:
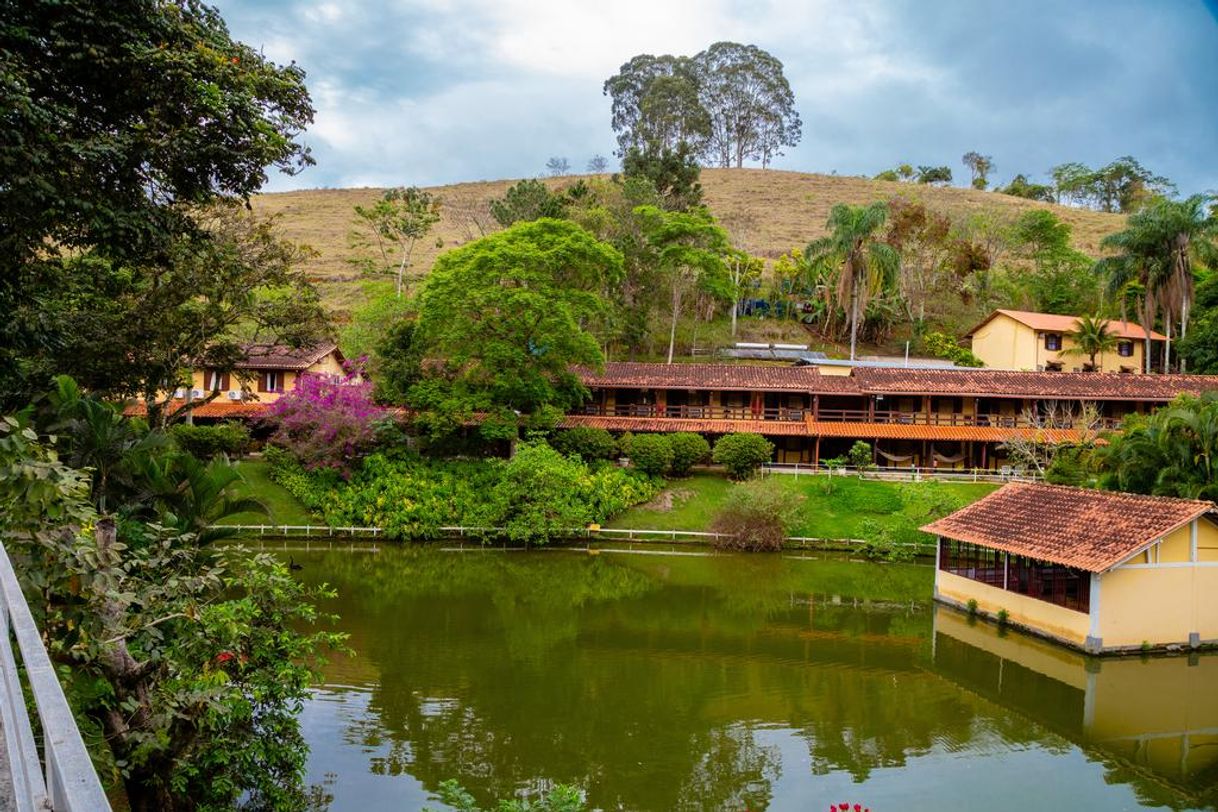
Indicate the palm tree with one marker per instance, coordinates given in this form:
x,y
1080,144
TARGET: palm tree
x,y
1091,338
867,264
1134,266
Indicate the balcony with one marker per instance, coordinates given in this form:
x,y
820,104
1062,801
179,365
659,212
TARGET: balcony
x,y
697,412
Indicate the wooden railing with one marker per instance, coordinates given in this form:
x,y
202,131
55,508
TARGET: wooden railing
x,y
796,414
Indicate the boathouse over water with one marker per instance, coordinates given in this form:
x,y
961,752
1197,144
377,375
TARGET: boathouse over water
x,y
1097,570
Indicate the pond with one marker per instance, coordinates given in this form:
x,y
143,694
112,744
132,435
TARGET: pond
x,y
672,682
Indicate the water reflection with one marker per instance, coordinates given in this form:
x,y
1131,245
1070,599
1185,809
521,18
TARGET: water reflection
x,y
671,682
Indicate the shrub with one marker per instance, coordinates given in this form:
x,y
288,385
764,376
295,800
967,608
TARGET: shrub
x,y
585,442
742,454
860,455
539,496
205,442
1003,617
972,606
884,543
688,449
650,453
942,345
756,516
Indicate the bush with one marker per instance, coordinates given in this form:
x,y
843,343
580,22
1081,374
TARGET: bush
x,y
585,442
860,455
742,454
688,449
205,442
881,543
942,345
650,453
756,516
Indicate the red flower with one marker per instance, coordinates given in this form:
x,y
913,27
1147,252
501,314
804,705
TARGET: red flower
x,y
225,656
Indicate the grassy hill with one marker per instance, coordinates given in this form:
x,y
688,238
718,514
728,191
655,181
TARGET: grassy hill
x,y
778,210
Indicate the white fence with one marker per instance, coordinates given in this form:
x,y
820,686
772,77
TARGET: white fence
x,y
907,474
69,783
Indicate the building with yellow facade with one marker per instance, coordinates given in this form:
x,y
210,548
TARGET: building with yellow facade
x,y
1096,570
1042,342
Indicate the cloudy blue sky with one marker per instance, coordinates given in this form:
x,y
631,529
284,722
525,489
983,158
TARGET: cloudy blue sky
x,y
428,92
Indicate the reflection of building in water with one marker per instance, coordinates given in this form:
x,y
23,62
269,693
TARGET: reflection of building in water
x,y
1155,720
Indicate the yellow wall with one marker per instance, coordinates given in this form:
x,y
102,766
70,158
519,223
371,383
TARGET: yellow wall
x,y
1159,605
1005,343
1040,616
248,379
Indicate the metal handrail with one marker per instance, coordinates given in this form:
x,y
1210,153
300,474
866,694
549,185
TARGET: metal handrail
x,y
70,783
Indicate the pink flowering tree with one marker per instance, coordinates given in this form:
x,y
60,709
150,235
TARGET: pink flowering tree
x,y
328,421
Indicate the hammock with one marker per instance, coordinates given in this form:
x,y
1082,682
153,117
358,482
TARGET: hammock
x,y
893,457
944,458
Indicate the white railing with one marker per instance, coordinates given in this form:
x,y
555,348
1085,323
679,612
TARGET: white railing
x,y
69,783
912,473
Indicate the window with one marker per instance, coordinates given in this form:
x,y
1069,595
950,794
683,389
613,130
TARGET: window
x,y
1125,349
1053,341
272,382
1052,583
216,380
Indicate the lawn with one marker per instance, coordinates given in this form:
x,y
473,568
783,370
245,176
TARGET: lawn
x,y
828,508
282,506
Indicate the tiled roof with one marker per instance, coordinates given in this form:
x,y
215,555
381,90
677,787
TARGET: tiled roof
x,y
1077,527
1006,383
751,377
770,427
1053,323
902,431
218,408
278,356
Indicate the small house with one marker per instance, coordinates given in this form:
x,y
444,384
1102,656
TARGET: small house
x,y
1097,570
267,371
1043,342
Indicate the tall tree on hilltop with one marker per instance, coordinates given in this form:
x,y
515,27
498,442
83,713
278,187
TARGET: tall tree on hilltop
x,y
867,263
689,250
749,103
980,167
396,223
678,114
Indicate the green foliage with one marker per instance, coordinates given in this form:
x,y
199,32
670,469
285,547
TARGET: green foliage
x,y
526,201
560,798
972,606
503,322
885,543
672,172
585,442
1121,186
1199,348
980,167
756,517
535,496
1003,617
650,453
688,449
935,175
860,455
742,454
393,226
1091,337
942,345
1020,186
122,122
380,312
1075,465
1172,452
230,439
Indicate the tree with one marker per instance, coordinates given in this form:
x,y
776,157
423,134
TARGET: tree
x,y
650,453
854,246
503,320
1091,337
749,103
755,517
1038,445
672,173
1200,347
923,239
598,164
1123,185
743,272
121,120
558,166
1171,452
525,201
742,454
135,330
935,175
980,167
689,249
1020,186
674,115
396,223
1062,280
688,449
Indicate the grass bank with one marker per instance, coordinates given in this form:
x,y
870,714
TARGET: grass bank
x,y
834,507
283,507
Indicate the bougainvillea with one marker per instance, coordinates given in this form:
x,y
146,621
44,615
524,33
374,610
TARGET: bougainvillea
x,y
328,421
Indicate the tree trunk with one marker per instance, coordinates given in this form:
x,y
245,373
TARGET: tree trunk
x,y
854,318
1167,346
676,310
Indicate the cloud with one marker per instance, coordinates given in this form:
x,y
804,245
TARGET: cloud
x,y
439,91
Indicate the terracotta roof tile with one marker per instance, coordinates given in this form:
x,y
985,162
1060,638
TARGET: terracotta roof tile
x,y
770,427
278,356
1088,529
1006,383
747,377
232,409
1053,323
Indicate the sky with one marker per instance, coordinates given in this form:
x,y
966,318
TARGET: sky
x,y
430,92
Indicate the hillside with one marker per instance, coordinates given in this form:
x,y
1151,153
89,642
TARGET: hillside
x,y
782,210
